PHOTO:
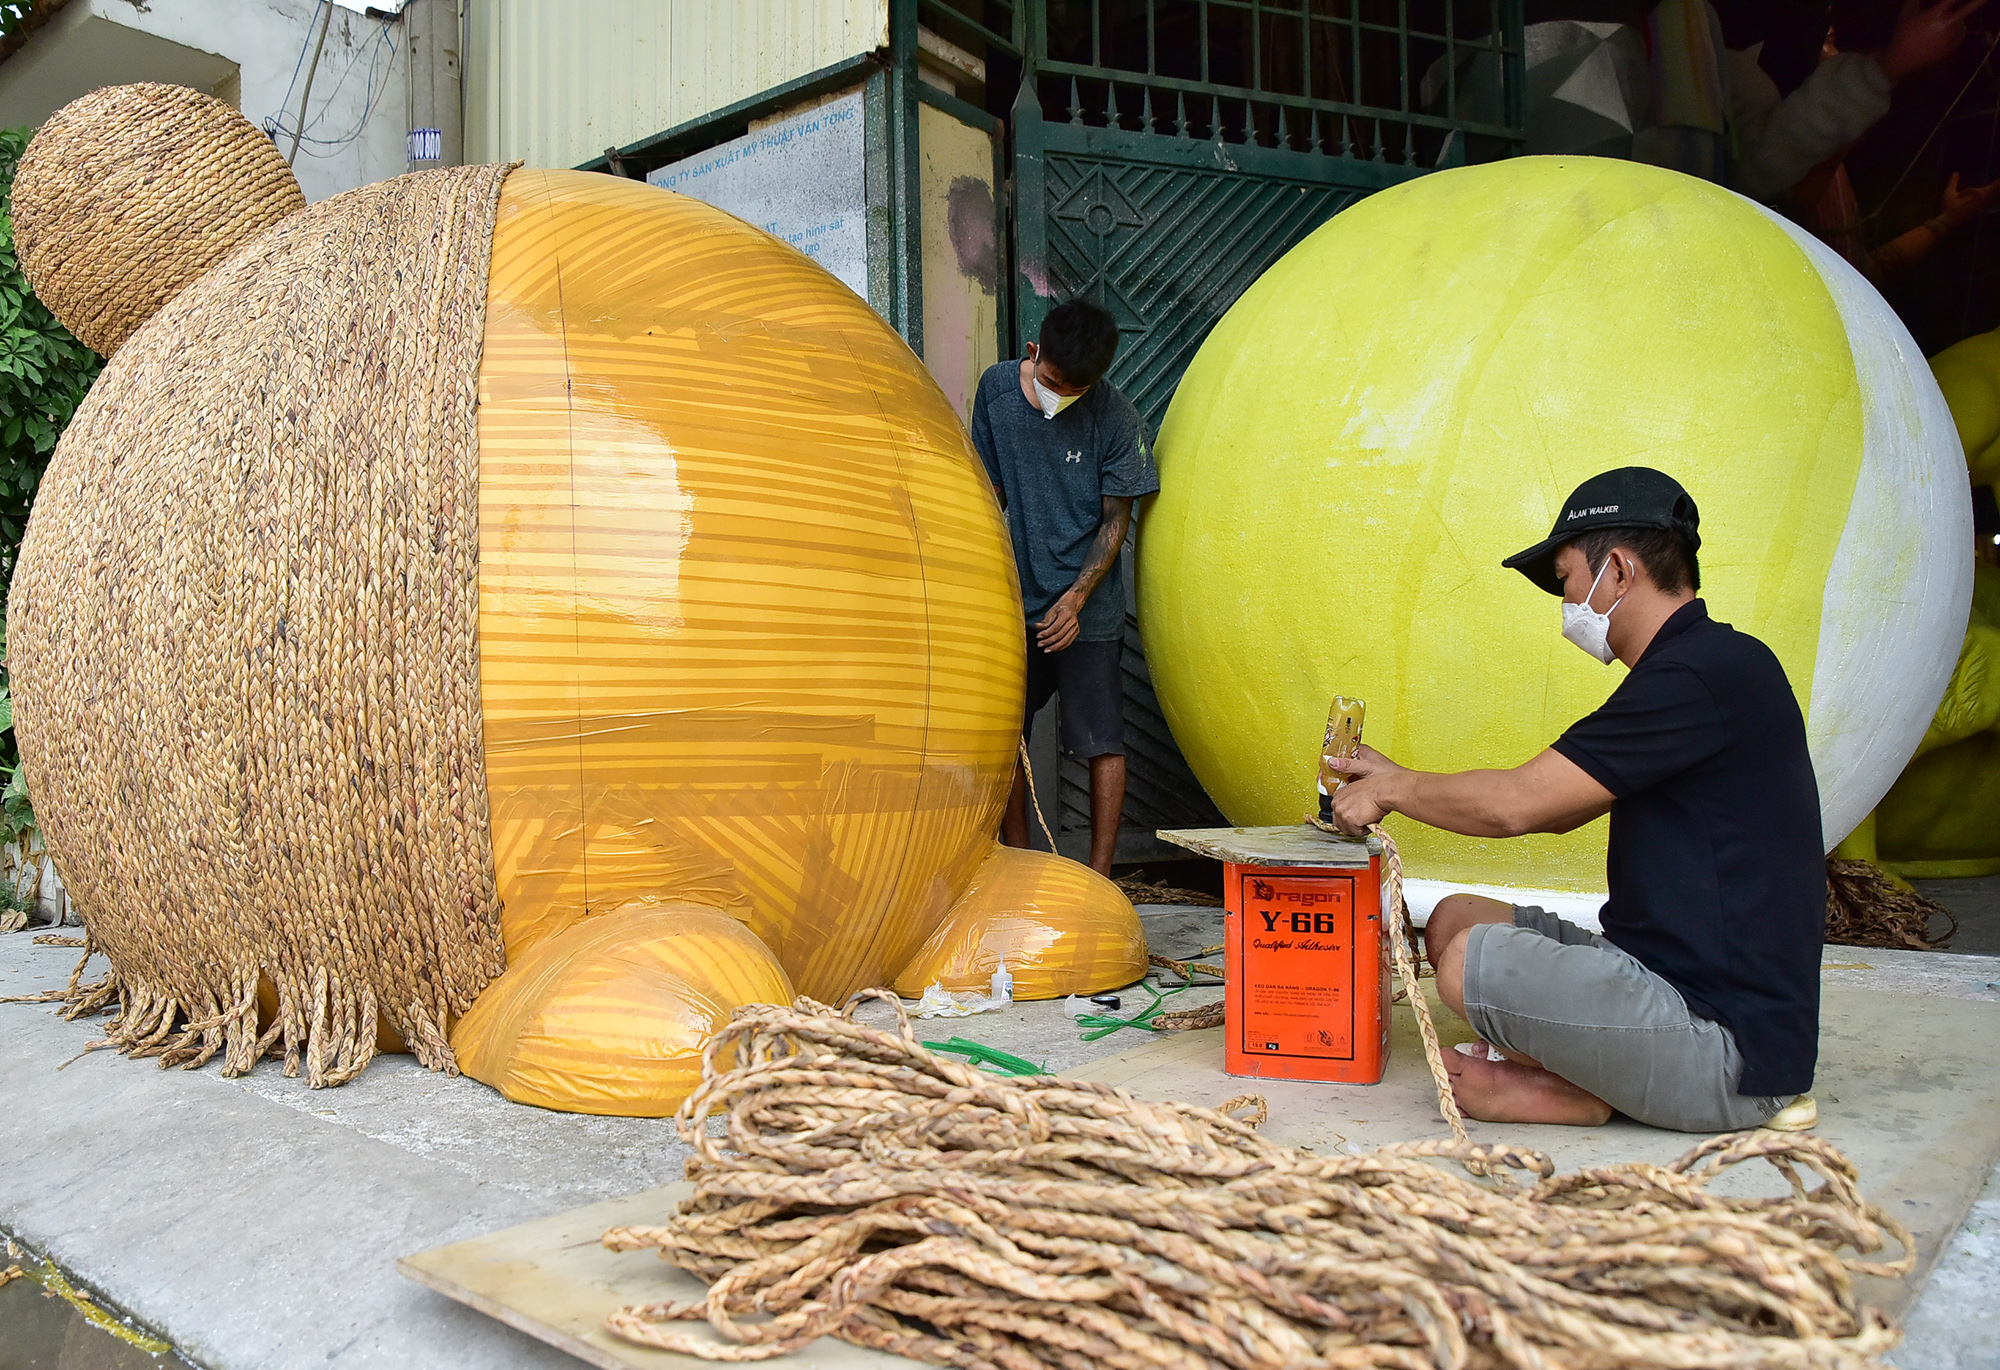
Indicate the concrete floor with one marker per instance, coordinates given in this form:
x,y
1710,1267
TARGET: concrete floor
x,y
255,1223
1976,905
1956,1323
44,1332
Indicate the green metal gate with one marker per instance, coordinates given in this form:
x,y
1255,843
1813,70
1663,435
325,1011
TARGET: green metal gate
x,y
1164,154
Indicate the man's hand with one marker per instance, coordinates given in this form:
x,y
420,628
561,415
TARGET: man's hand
x,y
1548,793
1927,31
1365,798
1059,627
1956,207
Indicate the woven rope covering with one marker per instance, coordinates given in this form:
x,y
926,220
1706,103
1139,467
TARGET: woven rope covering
x,y
867,1189
244,656
862,1187
129,194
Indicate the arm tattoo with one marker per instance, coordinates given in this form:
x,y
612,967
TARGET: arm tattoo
x,y
1104,550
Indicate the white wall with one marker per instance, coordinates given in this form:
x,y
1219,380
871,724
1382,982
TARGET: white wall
x,y
243,51
555,82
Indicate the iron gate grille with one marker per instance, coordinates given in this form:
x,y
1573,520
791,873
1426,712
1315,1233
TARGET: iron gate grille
x,y
1168,151
1165,153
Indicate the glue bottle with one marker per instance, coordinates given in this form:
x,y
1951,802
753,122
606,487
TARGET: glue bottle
x,y
1343,740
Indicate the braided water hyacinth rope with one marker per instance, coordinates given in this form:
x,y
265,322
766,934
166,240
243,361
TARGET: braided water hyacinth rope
x,y
131,193
865,1189
244,645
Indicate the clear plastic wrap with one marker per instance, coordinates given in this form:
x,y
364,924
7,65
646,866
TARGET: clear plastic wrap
x,y
1059,927
749,631
611,1015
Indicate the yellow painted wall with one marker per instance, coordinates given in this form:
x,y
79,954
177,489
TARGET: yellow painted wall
x,y
960,255
553,82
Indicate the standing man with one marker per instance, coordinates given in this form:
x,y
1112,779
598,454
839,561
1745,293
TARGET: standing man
x,y
1067,456
1697,1007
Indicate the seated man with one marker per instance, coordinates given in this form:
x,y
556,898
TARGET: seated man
x,y
1698,1006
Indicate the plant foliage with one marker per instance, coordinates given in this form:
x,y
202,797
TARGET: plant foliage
x,y
44,374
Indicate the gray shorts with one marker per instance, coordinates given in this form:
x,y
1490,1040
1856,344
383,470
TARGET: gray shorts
x,y
1591,1013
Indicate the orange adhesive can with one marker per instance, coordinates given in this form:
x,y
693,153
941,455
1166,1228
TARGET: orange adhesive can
x,y
1308,977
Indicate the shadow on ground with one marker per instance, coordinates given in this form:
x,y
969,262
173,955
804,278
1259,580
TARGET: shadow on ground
x,y
1976,905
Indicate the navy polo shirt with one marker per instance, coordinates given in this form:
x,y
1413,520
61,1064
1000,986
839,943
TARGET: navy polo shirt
x,y
1717,872
1053,475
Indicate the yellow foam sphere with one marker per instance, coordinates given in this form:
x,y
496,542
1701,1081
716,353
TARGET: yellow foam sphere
x,y
1968,372
1406,398
554,614
750,639
748,636
1055,926
614,1018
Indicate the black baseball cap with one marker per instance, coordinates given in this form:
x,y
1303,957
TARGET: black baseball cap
x,y
1630,497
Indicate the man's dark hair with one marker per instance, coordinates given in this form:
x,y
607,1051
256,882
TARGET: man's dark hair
x,y
1079,339
1664,553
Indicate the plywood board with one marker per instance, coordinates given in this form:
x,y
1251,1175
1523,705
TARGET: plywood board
x,y
1906,1090
554,1280
1297,844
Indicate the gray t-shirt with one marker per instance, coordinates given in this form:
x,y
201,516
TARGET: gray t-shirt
x,y
1053,475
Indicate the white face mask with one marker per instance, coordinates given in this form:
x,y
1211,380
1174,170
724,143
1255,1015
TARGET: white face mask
x,y
1052,403
1586,627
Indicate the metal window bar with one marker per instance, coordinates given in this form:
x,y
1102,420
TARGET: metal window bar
x,y
1354,50
1256,46
1072,73
1450,60
1306,69
1279,108
955,20
1403,75
1514,58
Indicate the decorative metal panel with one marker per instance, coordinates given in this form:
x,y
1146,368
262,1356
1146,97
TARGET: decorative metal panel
x,y
1166,233
1167,245
1162,194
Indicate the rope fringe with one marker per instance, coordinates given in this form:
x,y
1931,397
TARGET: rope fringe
x,y
276,557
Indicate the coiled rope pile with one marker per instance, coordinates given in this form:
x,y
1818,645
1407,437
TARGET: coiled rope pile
x,y
865,1189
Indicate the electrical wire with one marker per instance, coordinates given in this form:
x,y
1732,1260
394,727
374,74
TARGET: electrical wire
x,y
319,46
374,52
371,97
271,121
1889,197
333,146
381,54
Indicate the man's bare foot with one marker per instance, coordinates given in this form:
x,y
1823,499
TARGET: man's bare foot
x,y
1507,1092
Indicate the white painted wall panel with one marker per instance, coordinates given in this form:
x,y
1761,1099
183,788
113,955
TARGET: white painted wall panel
x,y
553,83
247,52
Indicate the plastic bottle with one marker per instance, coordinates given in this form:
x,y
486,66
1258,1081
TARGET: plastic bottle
x,y
1343,740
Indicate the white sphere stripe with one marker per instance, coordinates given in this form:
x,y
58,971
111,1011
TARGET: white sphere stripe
x,y
1859,724
1422,896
